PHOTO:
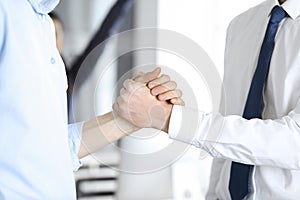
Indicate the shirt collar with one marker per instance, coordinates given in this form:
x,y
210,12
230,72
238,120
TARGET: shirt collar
x,y
43,6
292,7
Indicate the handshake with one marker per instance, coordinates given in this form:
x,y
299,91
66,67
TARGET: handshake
x,y
146,101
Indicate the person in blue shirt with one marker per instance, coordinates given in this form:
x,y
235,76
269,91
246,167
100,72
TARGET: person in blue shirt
x,y
39,150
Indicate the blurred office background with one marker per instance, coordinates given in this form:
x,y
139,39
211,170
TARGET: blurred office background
x,y
110,173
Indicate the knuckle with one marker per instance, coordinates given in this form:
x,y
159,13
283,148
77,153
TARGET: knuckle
x,y
171,85
179,93
171,94
122,99
138,79
182,102
125,83
160,88
174,84
125,98
119,100
114,107
139,73
166,77
122,91
129,85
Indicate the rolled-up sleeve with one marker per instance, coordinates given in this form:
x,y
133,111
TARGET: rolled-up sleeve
x,y
75,133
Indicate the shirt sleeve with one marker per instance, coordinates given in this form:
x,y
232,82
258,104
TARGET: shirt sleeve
x,y
216,169
75,133
2,28
256,142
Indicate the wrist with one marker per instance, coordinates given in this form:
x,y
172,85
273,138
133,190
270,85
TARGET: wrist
x,y
167,120
125,126
163,119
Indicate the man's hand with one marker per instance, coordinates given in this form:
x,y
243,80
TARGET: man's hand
x,y
138,106
166,90
146,101
162,87
135,105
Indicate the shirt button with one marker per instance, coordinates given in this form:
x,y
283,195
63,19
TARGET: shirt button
x,y
52,60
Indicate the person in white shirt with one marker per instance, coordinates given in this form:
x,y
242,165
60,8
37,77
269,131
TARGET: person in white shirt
x,y
270,143
39,150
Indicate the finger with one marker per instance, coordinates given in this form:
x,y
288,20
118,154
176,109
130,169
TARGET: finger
x,y
125,98
138,75
120,101
149,76
170,95
128,84
177,101
169,86
158,81
116,109
122,91
131,85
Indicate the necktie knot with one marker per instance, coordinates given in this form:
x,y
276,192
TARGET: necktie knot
x,y
277,15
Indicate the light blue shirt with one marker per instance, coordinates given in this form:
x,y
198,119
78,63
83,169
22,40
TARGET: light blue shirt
x,y
38,149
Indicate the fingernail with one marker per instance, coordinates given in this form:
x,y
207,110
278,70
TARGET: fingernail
x,y
151,85
162,97
154,92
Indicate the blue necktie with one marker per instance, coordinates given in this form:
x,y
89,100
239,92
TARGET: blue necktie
x,y
240,175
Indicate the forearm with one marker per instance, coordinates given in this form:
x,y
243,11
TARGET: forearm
x,y
102,131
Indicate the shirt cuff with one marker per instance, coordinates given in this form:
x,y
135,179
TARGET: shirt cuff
x,y
196,128
74,136
184,125
175,121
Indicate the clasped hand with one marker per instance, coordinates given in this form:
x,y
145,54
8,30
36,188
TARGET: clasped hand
x,y
146,101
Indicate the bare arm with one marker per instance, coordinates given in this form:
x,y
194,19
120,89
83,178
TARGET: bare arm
x,y
102,131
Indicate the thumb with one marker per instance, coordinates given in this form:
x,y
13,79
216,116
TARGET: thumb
x,y
149,76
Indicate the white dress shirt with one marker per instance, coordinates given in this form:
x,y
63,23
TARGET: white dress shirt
x,y
38,153
271,144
